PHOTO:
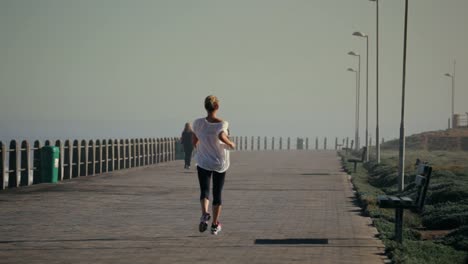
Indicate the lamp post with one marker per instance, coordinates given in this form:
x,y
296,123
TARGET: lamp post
x,y
401,156
377,137
358,93
453,93
356,115
362,35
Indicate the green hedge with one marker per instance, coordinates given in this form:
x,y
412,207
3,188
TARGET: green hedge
x,y
373,179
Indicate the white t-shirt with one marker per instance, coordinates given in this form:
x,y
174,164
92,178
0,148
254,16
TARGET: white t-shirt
x,y
211,154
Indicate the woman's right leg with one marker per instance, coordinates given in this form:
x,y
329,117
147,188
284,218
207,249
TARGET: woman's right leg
x,y
204,178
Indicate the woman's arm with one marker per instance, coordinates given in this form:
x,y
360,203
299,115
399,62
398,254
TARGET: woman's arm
x,y
194,140
225,139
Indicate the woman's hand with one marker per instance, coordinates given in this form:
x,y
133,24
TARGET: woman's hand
x,y
232,145
225,139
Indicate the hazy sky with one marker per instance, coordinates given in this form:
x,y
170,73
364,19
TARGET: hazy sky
x,y
114,68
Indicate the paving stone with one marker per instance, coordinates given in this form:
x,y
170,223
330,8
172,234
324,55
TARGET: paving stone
x,y
278,207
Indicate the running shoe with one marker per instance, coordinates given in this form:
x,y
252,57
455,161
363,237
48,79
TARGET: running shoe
x,y
215,229
204,222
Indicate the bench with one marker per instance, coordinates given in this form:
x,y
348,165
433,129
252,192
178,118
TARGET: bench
x,y
356,160
422,182
399,203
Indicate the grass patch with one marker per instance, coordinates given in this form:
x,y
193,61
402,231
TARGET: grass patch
x,y
447,206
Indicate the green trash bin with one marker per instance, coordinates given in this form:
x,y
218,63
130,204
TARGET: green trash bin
x,y
49,164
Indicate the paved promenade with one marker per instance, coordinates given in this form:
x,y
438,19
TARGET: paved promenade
x,y
279,207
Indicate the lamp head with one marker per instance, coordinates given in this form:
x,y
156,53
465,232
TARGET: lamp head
x,y
351,70
352,53
448,75
359,34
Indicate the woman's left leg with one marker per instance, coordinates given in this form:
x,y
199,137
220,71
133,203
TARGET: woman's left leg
x,y
218,184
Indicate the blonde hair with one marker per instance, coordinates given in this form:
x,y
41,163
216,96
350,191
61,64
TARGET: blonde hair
x,y
210,103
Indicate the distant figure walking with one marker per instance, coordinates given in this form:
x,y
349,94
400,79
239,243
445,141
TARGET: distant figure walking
x,y
186,140
212,142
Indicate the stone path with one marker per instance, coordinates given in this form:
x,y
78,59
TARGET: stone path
x,y
279,207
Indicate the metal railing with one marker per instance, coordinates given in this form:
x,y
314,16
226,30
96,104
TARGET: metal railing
x,y
19,161
244,143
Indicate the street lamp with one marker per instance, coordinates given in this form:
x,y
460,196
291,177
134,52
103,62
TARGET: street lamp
x,y
453,93
401,156
358,93
377,137
356,116
362,35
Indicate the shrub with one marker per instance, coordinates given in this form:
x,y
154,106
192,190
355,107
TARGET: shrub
x,y
458,238
445,216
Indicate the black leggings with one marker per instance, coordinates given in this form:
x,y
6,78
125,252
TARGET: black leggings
x,y
204,177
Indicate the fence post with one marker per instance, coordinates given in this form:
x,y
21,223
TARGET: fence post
x,y
172,147
145,152
98,156
127,153
174,142
258,143
69,161
265,143
123,154
169,150
241,143
112,155
84,145
325,143
150,151
78,161
161,150
164,149
252,143
116,148
289,143
59,144
158,150
139,153
92,157
336,143
18,163
3,166
152,148
155,150
136,152
272,143
307,143
281,143
316,143
28,172
105,156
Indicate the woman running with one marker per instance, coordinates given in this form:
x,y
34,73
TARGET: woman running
x,y
212,142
